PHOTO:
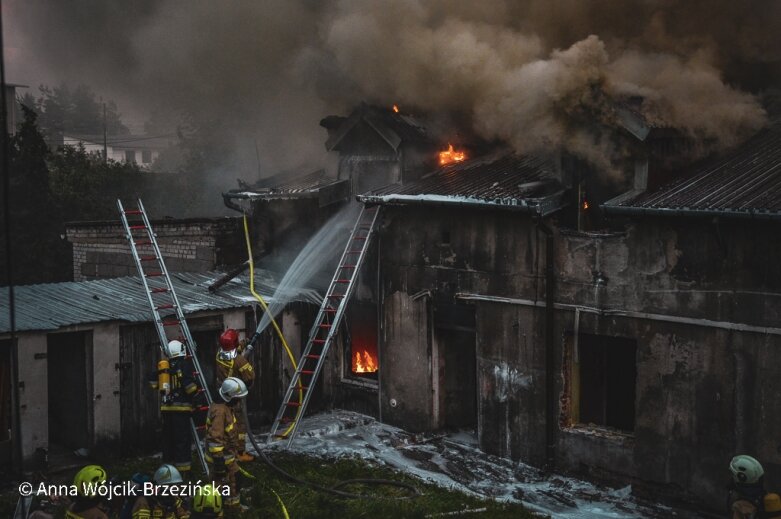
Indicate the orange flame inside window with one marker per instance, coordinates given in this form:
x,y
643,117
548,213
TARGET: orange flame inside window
x,y
364,362
585,204
450,155
395,108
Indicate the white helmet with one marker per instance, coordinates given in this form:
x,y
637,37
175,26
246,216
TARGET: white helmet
x,y
167,475
231,388
174,349
746,470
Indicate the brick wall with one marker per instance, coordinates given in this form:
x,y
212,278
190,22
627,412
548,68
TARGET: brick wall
x,y
100,249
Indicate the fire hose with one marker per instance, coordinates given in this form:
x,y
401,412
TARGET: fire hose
x,y
331,490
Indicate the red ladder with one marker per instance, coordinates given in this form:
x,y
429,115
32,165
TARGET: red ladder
x,y
325,328
168,316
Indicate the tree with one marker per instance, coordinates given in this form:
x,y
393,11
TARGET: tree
x,y
38,253
74,110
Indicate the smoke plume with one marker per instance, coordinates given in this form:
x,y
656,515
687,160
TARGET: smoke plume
x,y
539,74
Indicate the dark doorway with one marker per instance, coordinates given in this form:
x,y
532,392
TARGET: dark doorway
x,y
70,391
608,375
139,351
458,372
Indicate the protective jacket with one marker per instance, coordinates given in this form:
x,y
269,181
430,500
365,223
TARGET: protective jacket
x,y
237,367
85,510
222,436
222,441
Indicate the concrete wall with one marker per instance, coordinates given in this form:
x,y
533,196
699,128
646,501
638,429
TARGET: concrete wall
x,y
105,356
704,388
33,394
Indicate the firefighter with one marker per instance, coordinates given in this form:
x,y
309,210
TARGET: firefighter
x,y
230,363
164,506
88,504
207,503
222,438
137,506
747,489
177,386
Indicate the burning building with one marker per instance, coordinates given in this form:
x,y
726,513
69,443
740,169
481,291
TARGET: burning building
x,y
566,319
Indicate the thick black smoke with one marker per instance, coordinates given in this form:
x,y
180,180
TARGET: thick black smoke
x,y
518,70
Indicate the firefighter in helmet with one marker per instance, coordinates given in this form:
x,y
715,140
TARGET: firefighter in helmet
x,y
222,438
88,504
747,489
231,363
177,386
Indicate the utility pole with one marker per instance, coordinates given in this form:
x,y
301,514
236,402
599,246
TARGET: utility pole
x,y
105,138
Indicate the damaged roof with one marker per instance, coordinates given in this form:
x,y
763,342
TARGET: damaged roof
x,y
393,127
501,179
289,186
55,305
743,183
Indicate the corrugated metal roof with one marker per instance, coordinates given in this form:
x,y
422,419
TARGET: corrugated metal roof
x,y
288,185
503,178
55,305
746,182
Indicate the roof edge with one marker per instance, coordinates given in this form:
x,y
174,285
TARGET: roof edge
x,y
686,212
536,206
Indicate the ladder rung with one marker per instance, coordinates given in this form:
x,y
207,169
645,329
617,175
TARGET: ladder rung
x,y
137,227
293,404
143,242
133,211
355,251
169,323
307,372
302,388
147,258
154,274
347,267
310,356
159,290
318,341
285,419
360,237
335,296
165,307
342,280
330,310
325,326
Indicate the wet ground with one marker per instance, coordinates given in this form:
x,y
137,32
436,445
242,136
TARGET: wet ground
x,y
454,461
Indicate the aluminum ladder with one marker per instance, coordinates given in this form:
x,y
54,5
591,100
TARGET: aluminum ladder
x,y
324,329
161,296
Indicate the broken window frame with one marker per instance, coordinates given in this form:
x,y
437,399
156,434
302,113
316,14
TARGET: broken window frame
x,y
573,380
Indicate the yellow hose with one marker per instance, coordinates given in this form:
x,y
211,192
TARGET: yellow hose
x,y
252,477
273,321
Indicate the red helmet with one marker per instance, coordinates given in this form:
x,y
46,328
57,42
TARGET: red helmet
x,y
229,339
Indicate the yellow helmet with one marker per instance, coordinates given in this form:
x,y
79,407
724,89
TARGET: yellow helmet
x,y
88,478
207,499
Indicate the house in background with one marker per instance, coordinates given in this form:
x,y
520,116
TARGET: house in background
x,y
10,106
142,150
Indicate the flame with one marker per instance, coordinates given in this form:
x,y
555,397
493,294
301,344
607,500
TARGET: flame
x,y
450,156
395,108
363,362
585,204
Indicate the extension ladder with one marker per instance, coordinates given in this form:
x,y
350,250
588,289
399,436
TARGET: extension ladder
x,y
166,310
325,328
